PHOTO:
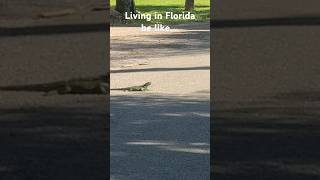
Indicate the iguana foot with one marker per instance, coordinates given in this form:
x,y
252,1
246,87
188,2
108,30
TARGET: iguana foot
x,y
104,88
51,93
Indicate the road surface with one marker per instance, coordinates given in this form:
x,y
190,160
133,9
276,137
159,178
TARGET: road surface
x,y
162,133
265,90
51,137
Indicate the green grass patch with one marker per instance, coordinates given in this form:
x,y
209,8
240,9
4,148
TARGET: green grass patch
x,y
201,11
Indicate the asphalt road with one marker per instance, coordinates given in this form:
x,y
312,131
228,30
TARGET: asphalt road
x,y
266,90
162,133
160,136
51,137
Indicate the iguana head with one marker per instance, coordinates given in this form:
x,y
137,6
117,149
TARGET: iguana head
x,y
147,84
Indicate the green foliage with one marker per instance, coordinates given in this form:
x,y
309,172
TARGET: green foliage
x,y
202,10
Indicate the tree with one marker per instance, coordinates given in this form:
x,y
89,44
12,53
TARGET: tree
x,y
123,6
189,5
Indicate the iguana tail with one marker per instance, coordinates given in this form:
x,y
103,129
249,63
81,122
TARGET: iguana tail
x,y
119,89
132,88
32,87
46,87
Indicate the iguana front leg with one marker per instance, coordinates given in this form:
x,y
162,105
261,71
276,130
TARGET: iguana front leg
x,y
104,88
62,90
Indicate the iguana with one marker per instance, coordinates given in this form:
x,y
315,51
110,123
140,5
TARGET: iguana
x,y
74,86
143,87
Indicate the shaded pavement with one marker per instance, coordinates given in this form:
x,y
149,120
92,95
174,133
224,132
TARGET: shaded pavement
x,y
51,137
159,137
266,90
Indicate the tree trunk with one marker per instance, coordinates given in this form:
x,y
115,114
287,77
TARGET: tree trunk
x,y
123,6
189,5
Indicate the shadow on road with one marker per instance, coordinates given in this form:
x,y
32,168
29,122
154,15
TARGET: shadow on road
x,y
280,21
269,139
160,69
53,143
53,29
167,44
159,137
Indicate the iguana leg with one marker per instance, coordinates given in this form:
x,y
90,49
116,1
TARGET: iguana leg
x,y
104,88
62,90
51,93
66,90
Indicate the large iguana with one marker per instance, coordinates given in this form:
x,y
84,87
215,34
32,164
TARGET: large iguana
x,y
97,85
143,87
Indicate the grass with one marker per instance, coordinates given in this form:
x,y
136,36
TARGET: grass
x,y
201,11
